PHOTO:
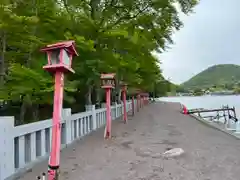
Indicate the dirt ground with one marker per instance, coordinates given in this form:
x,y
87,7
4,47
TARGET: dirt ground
x,y
131,154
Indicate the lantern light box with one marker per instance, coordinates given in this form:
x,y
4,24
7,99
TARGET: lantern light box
x,y
123,85
108,80
60,56
138,91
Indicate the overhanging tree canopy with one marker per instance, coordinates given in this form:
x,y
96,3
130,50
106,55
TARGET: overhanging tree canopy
x,y
111,36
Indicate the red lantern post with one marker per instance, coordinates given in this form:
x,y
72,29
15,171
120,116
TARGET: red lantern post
x,y
108,83
133,106
124,90
59,62
147,98
138,99
138,104
143,98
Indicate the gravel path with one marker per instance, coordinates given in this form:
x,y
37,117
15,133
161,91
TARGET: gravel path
x,y
131,154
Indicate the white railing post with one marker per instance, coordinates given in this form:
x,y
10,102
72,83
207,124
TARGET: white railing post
x,y
7,146
68,125
94,117
115,110
88,107
92,108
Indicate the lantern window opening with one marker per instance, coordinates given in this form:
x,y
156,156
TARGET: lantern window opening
x,y
55,56
49,57
66,57
108,82
71,57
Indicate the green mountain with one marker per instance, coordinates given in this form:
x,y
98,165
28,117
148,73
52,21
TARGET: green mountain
x,y
223,75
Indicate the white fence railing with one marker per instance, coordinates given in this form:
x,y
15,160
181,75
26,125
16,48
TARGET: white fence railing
x,y
22,146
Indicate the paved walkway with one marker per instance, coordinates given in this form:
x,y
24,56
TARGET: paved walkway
x,y
210,154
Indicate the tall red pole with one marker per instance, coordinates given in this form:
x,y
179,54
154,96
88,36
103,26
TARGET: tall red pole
x,y
108,113
133,106
54,159
124,105
57,64
138,103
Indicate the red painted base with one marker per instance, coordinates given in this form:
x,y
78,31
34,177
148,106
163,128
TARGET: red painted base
x,y
107,135
107,132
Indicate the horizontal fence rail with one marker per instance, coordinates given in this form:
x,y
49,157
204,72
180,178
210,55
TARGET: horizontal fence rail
x,y
25,145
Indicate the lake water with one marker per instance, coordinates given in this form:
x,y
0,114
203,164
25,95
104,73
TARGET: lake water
x,y
207,101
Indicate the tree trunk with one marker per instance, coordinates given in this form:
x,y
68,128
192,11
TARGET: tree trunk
x,y
35,112
89,96
22,111
2,58
118,88
94,8
26,101
98,97
119,95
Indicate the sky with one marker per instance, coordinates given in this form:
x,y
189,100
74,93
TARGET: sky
x,y
210,36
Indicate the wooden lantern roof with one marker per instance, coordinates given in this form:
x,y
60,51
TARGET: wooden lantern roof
x,y
69,45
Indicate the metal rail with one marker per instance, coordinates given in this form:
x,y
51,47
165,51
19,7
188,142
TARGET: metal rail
x,y
225,112
192,111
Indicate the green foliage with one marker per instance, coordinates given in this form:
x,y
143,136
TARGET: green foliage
x,y
181,89
223,76
162,88
111,36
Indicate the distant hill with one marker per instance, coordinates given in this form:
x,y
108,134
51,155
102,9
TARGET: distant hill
x,y
217,75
